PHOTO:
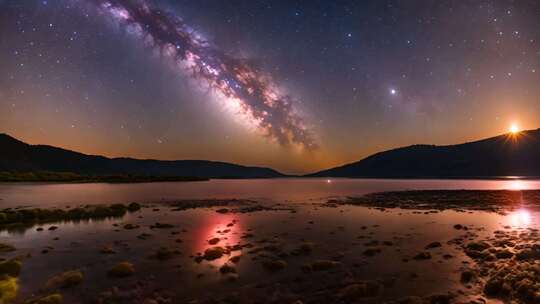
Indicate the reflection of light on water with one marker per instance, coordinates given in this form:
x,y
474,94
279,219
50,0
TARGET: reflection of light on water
x,y
328,181
521,217
222,226
516,185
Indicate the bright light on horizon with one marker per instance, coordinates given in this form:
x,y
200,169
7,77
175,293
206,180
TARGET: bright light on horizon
x,y
514,128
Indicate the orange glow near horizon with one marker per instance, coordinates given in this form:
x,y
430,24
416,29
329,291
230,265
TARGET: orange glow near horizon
x,y
514,128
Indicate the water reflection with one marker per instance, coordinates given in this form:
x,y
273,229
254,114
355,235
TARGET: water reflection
x,y
221,230
520,218
292,189
517,185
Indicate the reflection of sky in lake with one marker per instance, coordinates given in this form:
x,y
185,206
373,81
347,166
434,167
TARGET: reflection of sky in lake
x,y
289,189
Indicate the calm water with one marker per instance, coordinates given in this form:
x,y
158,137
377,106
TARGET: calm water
x,y
341,235
294,189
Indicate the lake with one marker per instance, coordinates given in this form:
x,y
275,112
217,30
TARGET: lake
x,y
286,189
284,244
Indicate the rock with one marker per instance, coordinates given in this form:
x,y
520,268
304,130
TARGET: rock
x,y
433,245
274,265
143,236
410,300
107,250
504,254
532,253
133,207
493,287
478,246
213,253
304,249
131,226
65,280
55,298
161,226
440,299
322,265
226,268
122,269
359,290
53,228
372,251
10,268
6,248
235,259
422,256
222,210
467,276
458,226
213,241
164,253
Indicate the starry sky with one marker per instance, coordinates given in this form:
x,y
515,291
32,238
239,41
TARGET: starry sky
x,y
294,85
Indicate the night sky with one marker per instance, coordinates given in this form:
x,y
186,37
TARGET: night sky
x,y
295,85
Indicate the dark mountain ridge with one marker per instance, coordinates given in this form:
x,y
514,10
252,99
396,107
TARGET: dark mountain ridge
x,y
17,156
504,155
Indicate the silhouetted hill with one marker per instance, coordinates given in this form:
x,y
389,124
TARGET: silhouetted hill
x,y
504,155
18,156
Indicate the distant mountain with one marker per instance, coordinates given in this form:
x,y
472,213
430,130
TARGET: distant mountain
x,y
18,156
504,155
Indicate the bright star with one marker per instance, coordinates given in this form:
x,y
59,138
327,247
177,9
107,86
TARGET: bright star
x,y
393,91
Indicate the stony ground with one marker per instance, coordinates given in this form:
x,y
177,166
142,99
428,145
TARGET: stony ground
x,y
242,251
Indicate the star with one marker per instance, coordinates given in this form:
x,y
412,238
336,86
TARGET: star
x,y
393,92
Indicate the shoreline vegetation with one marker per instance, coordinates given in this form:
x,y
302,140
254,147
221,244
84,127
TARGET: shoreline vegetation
x,y
21,218
70,177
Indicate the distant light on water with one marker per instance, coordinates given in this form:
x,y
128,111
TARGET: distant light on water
x,y
328,181
516,185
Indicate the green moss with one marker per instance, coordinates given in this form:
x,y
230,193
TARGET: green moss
x,y
12,218
65,280
8,289
122,269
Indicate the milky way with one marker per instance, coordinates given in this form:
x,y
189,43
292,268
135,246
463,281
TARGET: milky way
x,y
243,87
